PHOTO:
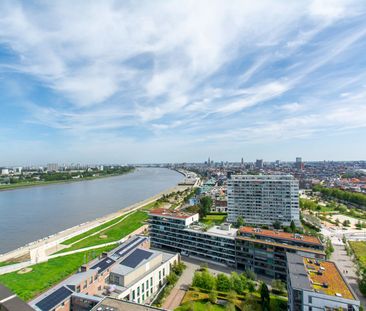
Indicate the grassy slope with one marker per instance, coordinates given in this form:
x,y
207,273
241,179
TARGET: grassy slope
x,y
114,233
359,248
45,275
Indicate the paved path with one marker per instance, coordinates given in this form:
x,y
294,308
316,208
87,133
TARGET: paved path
x,y
348,268
176,295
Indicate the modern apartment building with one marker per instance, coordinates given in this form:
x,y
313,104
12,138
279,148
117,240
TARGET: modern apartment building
x,y
263,199
140,275
181,232
315,285
112,304
262,251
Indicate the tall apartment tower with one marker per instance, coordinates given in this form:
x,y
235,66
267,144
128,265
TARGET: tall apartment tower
x,y
263,199
299,164
259,163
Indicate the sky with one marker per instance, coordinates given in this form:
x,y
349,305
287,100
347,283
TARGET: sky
x,y
181,81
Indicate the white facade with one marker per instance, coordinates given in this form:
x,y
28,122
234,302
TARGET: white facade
x,y
141,283
263,199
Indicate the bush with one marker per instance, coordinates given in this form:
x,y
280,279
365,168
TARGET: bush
x,y
223,283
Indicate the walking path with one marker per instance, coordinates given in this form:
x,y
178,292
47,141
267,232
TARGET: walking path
x,y
347,267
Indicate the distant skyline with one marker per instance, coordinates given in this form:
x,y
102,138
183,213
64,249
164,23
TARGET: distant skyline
x,y
167,81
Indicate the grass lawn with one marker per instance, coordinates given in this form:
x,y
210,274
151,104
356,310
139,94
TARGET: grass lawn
x,y
199,306
7,263
359,248
214,219
47,274
118,231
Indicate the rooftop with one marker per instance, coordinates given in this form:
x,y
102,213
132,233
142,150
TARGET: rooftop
x,y
317,275
281,235
168,213
112,304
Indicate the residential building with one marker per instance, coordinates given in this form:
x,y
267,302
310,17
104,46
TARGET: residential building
x,y
92,280
181,232
52,167
263,199
264,251
141,274
11,302
318,285
110,304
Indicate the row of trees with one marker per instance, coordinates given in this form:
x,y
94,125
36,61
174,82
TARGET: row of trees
x,y
348,196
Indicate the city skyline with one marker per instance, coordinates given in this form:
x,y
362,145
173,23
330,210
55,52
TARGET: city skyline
x,y
108,82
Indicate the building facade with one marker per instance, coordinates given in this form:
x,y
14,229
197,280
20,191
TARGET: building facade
x,y
315,285
263,199
262,251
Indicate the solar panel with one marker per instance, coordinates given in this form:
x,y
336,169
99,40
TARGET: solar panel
x,y
52,300
134,259
103,264
128,247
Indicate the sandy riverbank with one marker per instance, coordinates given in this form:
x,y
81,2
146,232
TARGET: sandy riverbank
x,y
57,238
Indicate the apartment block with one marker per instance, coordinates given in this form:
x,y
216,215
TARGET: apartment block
x,y
181,232
263,199
315,285
264,251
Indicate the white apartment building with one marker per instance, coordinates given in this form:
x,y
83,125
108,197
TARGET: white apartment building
x,y
139,276
263,199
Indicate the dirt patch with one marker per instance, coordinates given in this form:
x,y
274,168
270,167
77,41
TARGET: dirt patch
x,y
25,270
103,236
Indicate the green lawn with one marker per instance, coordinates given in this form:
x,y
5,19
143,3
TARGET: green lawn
x,y
47,274
7,263
118,231
199,306
214,219
359,249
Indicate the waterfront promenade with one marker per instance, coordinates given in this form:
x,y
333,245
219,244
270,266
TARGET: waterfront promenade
x,y
38,251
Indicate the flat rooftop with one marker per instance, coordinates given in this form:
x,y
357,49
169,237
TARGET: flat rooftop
x,y
281,235
112,304
318,276
172,214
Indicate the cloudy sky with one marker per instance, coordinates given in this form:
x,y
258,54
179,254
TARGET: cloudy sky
x,y
158,81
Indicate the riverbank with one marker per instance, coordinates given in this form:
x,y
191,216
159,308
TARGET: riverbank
x,y
44,247
55,182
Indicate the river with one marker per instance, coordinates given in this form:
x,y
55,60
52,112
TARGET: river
x,y
29,214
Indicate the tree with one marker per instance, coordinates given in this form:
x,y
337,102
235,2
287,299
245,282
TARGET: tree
x,y
251,286
223,283
237,283
172,278
205,206
277,224
230,307
208,280
265,298
240,222
293,226
362,281
250,274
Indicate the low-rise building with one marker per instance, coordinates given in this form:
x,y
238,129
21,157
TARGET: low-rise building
x,y
141,274
317,285
112,304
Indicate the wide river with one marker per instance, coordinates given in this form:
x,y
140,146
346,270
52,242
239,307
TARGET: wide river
x,y
32,213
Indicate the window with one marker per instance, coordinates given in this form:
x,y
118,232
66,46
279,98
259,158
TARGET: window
x,y
151,281
133,295
142,288
151,290
138,300
159,275
78,289
147,284
143,297
138,291
85,284
310,299
163,271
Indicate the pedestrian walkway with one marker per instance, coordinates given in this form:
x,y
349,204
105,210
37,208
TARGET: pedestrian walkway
x,y
348,269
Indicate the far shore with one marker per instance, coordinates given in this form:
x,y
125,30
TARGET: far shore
x,y
49,183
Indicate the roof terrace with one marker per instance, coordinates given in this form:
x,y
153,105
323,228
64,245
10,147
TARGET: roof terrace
x,y
172,214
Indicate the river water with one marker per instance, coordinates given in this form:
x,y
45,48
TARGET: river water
x,y
29,214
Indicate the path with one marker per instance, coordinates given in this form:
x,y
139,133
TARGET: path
x,y
345,263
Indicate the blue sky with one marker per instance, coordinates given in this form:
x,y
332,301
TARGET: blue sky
x,y
151,81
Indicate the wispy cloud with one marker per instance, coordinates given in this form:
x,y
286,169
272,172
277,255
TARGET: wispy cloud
x,y
199,71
